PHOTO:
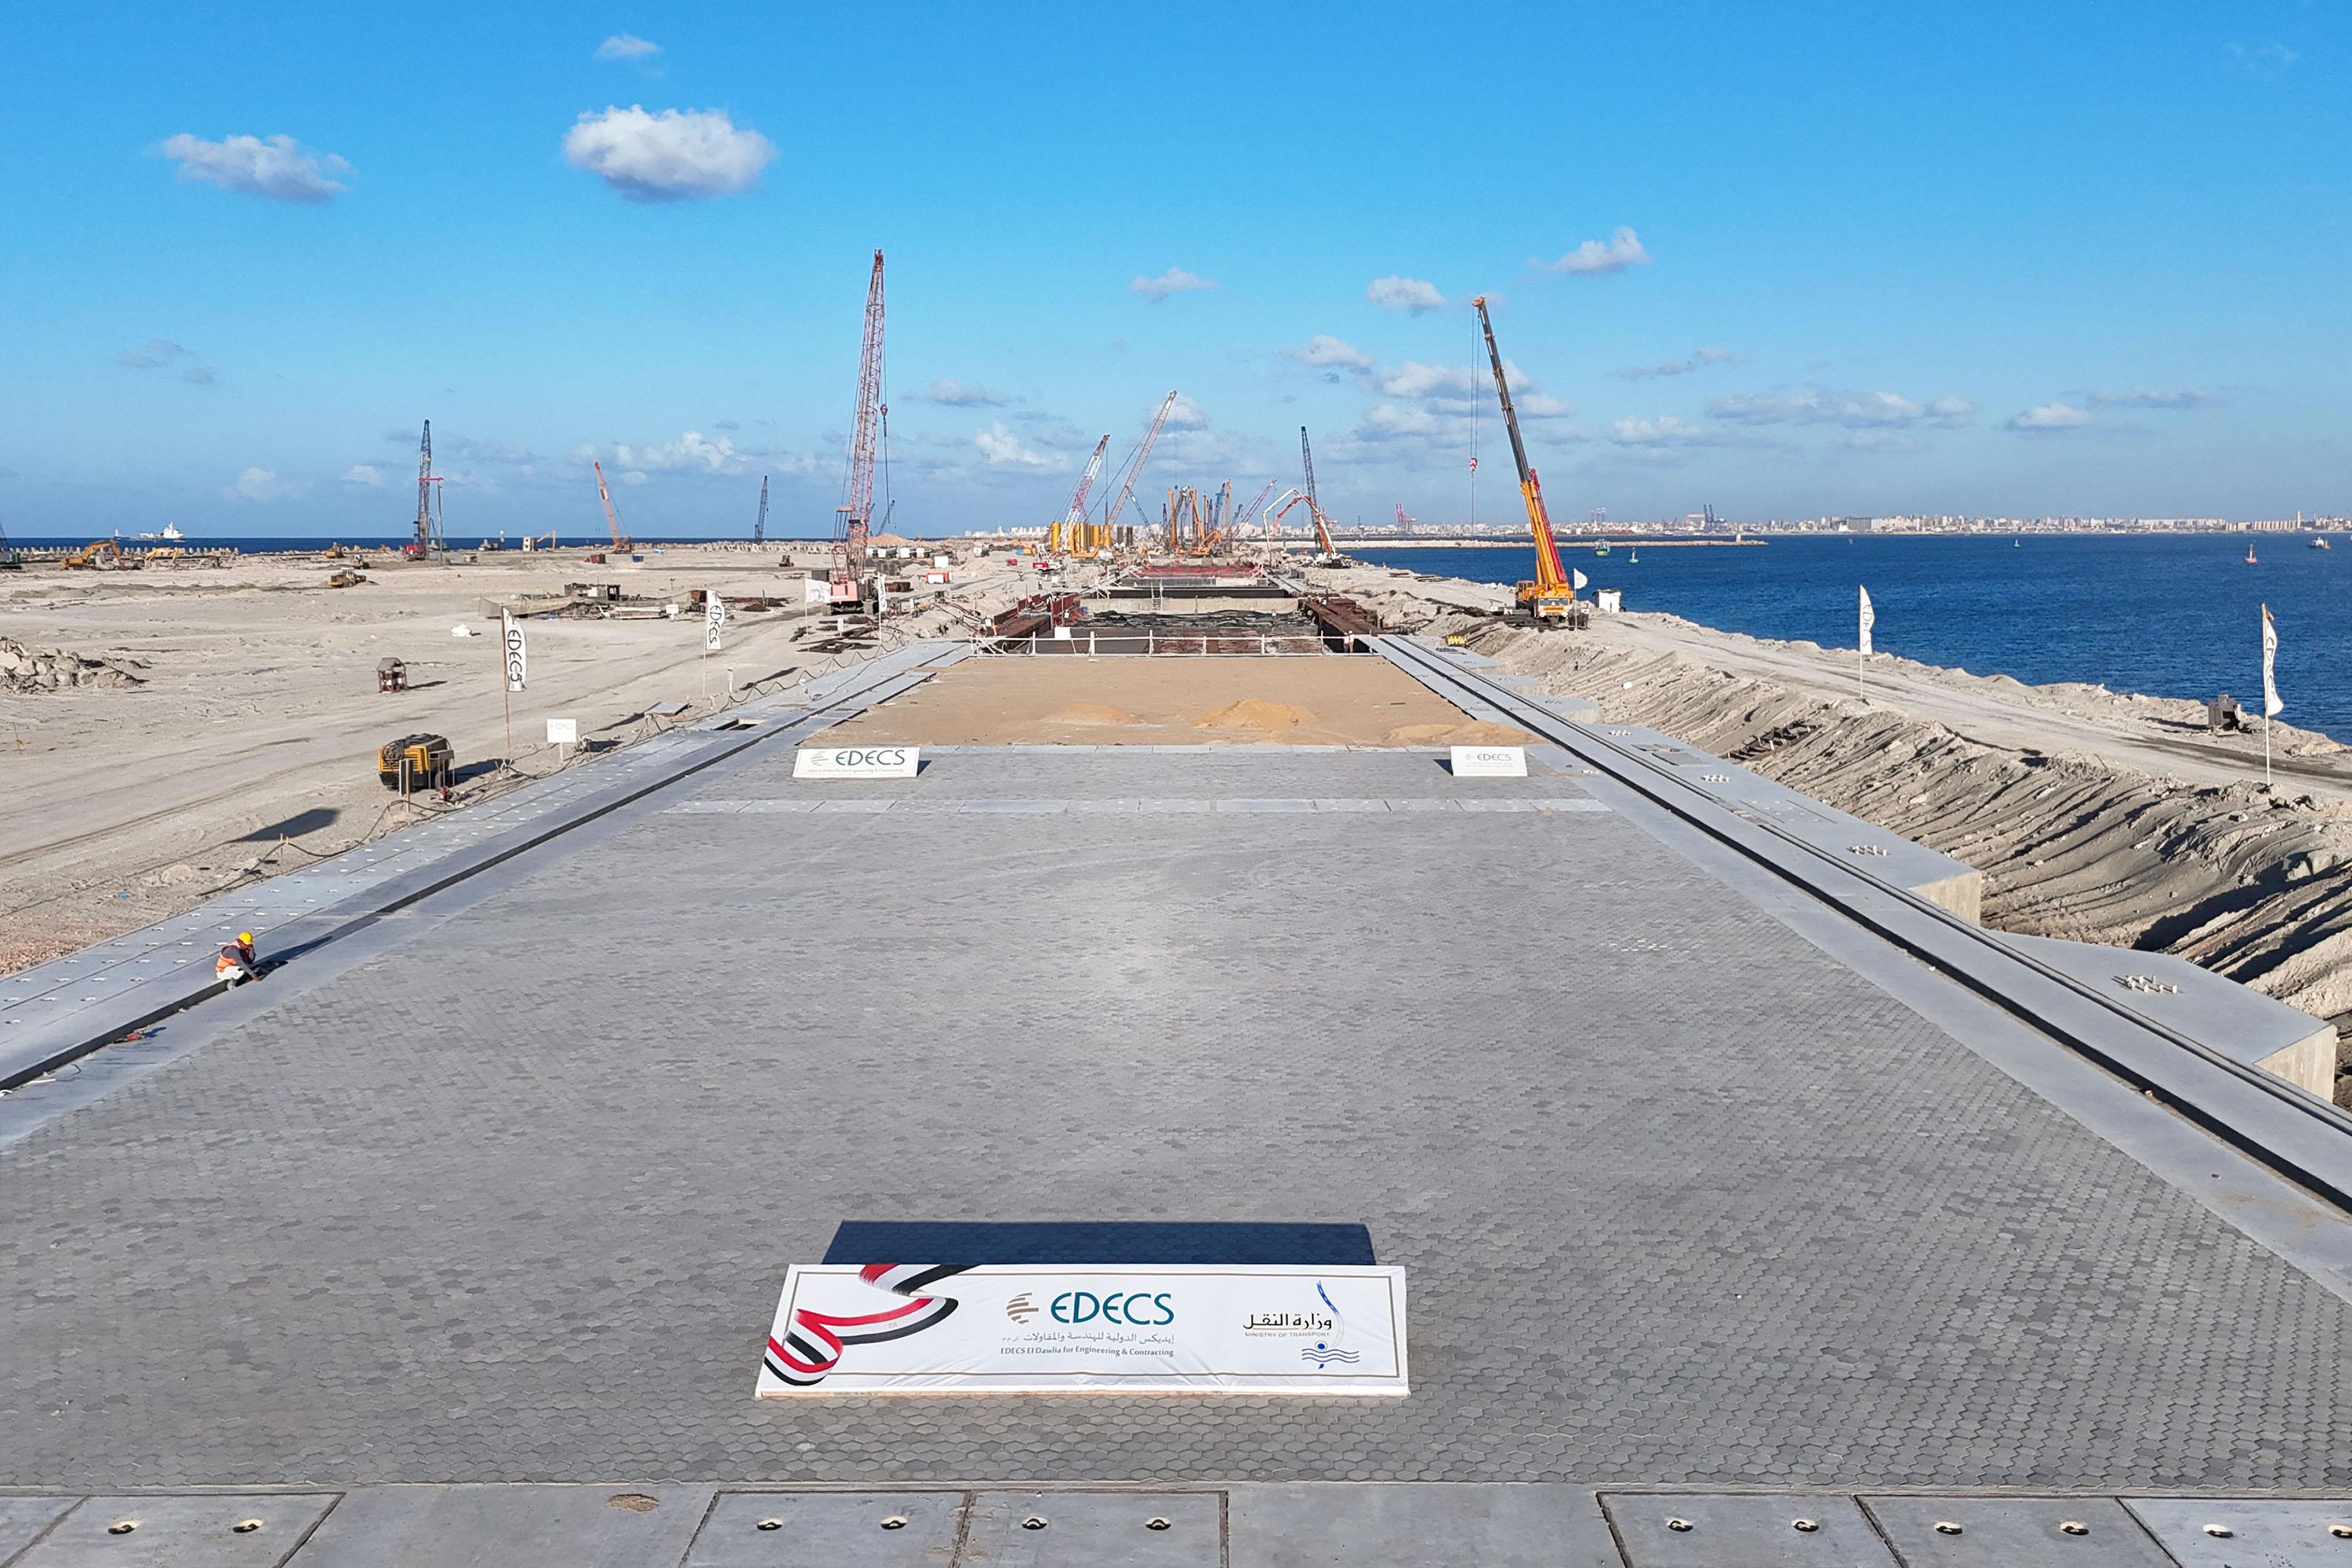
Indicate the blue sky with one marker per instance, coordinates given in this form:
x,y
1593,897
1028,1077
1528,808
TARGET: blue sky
x,y
1837,258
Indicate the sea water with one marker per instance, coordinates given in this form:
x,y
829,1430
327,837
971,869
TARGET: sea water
x,y
2168,615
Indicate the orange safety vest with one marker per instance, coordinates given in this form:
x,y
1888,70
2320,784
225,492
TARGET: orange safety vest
x,y
234,957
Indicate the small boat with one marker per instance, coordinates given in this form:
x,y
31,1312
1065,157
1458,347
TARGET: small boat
x,y
170,532
1600,549
2321,544
2250,556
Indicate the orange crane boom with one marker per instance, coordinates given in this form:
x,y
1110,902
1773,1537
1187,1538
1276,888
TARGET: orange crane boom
x,y
612,518
1552,596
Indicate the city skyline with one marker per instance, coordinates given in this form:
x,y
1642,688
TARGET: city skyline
x,y
2015,263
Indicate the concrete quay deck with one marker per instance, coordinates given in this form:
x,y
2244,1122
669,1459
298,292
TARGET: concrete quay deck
x,y
1718,1206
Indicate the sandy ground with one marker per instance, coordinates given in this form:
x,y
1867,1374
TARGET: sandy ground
x,y
1306,700
256,718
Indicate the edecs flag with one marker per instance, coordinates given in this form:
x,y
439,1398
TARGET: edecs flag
x,y
2271,706
1870,619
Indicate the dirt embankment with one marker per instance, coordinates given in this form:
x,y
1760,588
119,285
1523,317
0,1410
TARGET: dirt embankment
x,y
2254,885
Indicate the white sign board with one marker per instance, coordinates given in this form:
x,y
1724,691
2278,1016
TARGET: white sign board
x,y
563,731
856,761
714,616
917,1328
1490,762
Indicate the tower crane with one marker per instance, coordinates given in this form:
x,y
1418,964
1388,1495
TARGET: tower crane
x,y
760,525
1242,518
422,547
612,518
853,517
1551,596
1314,507
1133,468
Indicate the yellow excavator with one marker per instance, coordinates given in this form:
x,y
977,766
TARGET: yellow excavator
x,y
1552,596
100,554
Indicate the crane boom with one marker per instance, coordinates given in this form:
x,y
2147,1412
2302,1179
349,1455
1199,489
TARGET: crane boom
x,y
1133,468
612,518
426,479
1242,518
1314,507
1552,596
854,516
760,525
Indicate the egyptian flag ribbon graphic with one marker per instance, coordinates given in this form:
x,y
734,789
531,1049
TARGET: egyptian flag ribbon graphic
x,y
813,1345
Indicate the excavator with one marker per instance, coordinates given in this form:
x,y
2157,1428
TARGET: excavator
x,y
103,556
1551,597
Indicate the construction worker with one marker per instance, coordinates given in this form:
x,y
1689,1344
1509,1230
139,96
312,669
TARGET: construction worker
x,y
237,963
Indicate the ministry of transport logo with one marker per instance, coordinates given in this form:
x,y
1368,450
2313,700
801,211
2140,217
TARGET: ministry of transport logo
x,y
1021,1308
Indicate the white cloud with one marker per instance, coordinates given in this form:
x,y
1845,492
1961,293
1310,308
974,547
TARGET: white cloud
x,y
1543,406
276,167
1623,250
1699,360
2047,416
2149,397
2272,57
366,474
956,394
1666,430
1186,415
692,452
1414,295
627,46
1327,353
674,156
1175,281
262,485
1877,441
1003,450
156,352
1852,410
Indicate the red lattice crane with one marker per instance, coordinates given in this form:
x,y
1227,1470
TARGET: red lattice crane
x,y
612,518
852,520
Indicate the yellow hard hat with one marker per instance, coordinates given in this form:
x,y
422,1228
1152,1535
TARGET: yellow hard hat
x,y
245,936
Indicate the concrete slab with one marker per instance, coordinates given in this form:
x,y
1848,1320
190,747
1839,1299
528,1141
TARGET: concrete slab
x,y
2002,1532
508,1527
23,1520
1699,1530
2241,1532
1321,1525
831,1529
1096,1530
214,1530
2236,1020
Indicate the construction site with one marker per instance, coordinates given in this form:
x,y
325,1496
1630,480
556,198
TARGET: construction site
x,y
1090,944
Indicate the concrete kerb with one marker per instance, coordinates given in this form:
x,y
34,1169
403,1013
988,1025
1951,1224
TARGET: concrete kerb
x,y
2305,1139
39,1052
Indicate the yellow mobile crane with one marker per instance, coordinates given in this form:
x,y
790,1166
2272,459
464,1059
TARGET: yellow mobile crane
x,y
1552,596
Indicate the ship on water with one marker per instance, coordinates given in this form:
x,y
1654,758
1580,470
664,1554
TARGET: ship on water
x,y
171,535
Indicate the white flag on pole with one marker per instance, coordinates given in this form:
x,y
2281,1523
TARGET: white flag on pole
x,y
516,659
714,616
1869,619
2271,706
1577,579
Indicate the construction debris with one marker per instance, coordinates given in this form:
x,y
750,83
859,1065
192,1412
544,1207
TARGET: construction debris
x,y
26,669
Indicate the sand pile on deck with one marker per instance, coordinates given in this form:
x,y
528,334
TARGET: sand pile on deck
x,y
1090,713
1255,714
1469,732
2254,887
27,669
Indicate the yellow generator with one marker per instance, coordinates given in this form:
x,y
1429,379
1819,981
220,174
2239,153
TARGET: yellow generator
x,y
427,760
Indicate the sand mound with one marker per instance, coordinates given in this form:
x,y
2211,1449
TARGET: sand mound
x,y
1469,732
1090,713
1255,714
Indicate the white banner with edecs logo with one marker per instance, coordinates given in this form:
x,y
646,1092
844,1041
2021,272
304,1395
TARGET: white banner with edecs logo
x,y
917,1327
